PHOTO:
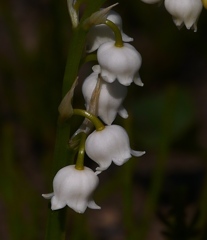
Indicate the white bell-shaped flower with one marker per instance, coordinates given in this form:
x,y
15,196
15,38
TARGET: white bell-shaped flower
x,y
100,34
110,98
110,144
121,63
74,188
184,11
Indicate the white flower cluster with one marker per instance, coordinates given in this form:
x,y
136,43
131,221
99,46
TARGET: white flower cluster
x,y
183,11
118,66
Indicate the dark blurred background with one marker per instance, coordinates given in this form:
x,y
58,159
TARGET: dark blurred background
x,y
159,196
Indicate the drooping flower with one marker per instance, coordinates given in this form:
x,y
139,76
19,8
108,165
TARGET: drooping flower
x,y
185,11
74,188
109,145
101,33
121,63
110,98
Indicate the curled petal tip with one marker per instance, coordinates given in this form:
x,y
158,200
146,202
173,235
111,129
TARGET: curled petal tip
x,y
93,205
99,169
138,82
137,153
53,208
126,38
123,112
57,207
48,195
97,172
57,203
96,68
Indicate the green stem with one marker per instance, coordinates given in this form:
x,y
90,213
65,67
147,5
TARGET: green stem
x,y
56,219
96,122
81,152
117,33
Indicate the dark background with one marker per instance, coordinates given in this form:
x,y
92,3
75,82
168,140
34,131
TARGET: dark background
x,y
167,119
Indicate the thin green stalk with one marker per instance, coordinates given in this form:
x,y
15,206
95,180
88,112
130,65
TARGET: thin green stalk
x,y
117,33
56,219
62,157
96,122
81,152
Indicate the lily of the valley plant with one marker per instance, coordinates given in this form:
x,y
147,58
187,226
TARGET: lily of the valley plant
x,y
104,90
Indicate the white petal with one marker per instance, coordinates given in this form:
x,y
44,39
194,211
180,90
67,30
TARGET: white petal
x,y
108,76
138,81
48,195
123,112
137,153
110,99
126,38
96,68
121,161
57,203
103,165
125,80
78,206
178,22
93,205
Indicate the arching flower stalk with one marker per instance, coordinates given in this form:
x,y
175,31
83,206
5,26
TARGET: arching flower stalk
x,y
102,33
